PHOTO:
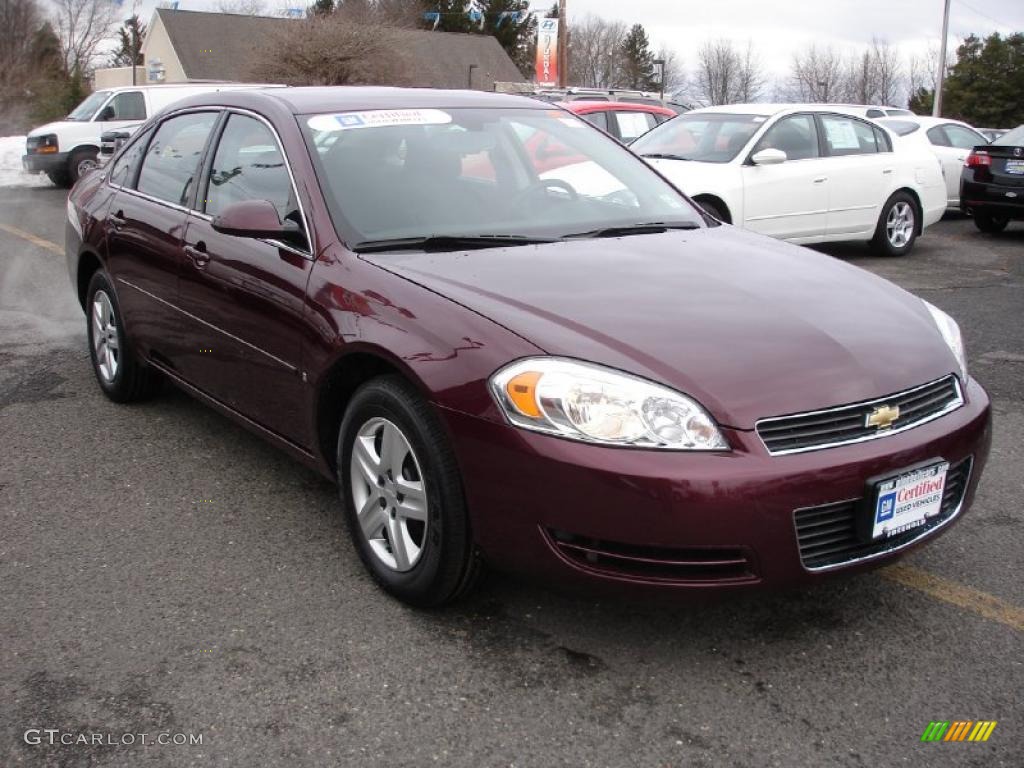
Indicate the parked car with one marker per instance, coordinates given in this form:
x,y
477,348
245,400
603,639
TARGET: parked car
x,y
623,120
803,173
950,140
874,112
992,133
992,182
66,149
519,369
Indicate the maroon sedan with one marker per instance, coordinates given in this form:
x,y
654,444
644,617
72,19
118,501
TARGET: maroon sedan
x,y
568,371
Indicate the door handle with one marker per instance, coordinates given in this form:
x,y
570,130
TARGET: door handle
x,y
117,220
821,179
886,170
198,254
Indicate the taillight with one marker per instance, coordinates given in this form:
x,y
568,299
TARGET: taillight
x,y
978,159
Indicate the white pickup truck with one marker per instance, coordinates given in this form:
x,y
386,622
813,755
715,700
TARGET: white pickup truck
x,y
67,149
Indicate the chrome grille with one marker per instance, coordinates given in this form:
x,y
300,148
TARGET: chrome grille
x,y
827,535
848,423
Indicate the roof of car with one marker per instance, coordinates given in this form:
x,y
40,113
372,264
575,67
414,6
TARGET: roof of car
x,y
581,105
311,100
925,121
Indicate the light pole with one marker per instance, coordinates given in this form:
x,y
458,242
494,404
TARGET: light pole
x,y
661,76
469,77
937,100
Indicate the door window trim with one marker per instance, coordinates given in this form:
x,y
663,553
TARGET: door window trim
x,y
817,130
823,143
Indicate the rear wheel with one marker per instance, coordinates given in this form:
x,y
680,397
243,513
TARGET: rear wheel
x,y
402,495
121,376
897,226
986,222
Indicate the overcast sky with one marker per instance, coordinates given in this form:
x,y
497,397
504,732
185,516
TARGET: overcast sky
x,y
776,27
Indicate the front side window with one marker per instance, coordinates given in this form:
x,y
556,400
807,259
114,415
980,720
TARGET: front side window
x,y
938,137
249,165
471,172
129,105
709,137
172,159
123,172
796,135
848,136
600,119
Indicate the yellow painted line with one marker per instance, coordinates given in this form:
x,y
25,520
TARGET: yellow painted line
x,y
34,239
954,593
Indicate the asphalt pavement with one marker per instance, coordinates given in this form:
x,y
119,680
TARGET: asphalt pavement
x,y
165,573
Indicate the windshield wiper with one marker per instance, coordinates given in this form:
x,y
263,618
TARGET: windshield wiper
x,y
650,228
664,156
448,243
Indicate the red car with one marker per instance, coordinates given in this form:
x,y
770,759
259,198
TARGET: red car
x,y
624,120
581,377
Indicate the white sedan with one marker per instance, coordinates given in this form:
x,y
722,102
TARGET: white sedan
x,y
950,140
804,173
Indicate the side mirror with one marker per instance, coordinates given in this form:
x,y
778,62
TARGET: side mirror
x,y
768,157
257,219
106,114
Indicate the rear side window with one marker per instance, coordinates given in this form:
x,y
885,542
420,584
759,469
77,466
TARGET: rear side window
x,y
876,113
600,119
848,136
633,125
963,138
249,165
129,105
172,158
937,136
126,166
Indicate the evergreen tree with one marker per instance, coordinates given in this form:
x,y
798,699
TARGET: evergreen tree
x,y
130,37
984,87
921,101
516,35
637,61
321,8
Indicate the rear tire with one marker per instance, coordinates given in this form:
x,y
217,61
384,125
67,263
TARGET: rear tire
x,y
406,484
120,374
897,226
990,224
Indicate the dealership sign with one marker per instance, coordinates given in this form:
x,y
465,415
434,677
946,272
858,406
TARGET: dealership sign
x,y
547,52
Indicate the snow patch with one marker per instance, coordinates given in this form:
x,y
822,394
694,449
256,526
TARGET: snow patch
x,y
11,173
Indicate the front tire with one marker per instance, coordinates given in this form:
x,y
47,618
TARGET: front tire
x,y
897,226
120,374
402,495
990,224
81,162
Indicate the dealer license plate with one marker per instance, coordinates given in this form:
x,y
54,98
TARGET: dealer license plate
x,y
1014,166
907,500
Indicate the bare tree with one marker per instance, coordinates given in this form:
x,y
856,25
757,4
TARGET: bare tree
x,y
817,75
332,50
888,76
82,25
19,20
242,7
727,75
675,74
595,46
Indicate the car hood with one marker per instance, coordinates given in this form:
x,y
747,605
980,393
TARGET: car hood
x,y
750,327
695,178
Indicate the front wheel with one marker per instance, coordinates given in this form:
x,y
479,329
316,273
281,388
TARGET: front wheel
x,y
122,377
897,226
402,495
81,162
986,222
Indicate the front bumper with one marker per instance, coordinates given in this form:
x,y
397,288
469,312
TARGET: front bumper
x,y
543,505
55,161
993,199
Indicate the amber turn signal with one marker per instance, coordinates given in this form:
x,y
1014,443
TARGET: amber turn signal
x,y
522,391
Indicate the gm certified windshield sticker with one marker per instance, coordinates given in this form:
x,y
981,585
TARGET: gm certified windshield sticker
x,y
379,119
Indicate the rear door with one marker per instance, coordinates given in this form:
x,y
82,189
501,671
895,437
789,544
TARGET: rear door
x,y
154,179
860,168
245,297
788,200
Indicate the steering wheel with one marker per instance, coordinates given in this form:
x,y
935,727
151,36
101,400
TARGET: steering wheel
x,y
544,184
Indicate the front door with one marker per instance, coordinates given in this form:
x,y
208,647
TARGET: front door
x,y
245,297
790,199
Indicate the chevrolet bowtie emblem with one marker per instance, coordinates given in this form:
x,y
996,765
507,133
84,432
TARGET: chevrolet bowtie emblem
x,y
882,417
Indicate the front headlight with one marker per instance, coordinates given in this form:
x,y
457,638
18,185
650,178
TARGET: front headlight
x,y
594,404
951,334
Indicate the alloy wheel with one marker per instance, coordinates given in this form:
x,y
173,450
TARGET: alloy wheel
x,y
899,225
388,494
85,165
104,336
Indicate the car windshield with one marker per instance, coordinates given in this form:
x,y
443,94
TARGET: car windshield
x,y
1014,138
708,137
504,175
87,109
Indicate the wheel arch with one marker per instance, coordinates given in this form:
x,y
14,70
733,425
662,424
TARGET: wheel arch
x,y
88,264
919,218
716,201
